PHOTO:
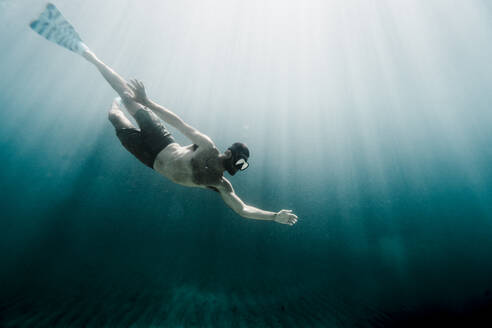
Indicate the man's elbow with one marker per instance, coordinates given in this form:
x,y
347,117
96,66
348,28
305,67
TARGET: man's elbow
x,y
244,212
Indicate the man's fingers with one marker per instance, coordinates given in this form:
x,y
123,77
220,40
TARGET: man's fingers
x,y
131,85
287,217
128,95
134,83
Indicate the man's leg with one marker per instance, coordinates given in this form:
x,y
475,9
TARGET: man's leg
x,y
54,27
115,81
118,118
130,137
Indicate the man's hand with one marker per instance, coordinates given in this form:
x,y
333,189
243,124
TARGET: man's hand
x,y
286,217
139,94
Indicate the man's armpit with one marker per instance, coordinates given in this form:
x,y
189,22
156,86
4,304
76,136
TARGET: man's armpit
x,y
225,186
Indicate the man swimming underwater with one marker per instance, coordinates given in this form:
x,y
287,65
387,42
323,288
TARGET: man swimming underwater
x,y
197,165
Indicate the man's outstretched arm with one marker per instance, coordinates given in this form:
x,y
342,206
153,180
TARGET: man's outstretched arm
x,y
140,96
233,201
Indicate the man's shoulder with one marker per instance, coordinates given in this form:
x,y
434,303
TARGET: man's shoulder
x,y
208,149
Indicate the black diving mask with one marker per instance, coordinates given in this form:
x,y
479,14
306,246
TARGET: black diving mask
x,y
241,164
239,158
233,166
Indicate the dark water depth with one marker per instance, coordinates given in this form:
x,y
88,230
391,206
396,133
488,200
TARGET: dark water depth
x,y
371,124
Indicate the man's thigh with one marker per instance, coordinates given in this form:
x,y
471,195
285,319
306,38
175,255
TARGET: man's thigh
x,y
133,141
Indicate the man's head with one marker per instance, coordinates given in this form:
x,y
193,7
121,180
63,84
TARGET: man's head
x,y
236,158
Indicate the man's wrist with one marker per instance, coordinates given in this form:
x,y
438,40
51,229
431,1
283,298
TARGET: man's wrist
x,y
275,215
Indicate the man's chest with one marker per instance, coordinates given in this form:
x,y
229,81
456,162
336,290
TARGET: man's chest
x,y
206,169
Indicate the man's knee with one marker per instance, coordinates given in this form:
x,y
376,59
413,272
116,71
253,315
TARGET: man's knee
x,y
118,119
114,115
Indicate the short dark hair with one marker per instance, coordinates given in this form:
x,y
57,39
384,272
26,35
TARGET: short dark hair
x,y
238,150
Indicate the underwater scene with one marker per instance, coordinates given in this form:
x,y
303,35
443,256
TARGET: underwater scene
x,y
367,121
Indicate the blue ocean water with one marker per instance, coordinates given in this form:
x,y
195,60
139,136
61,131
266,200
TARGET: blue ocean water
x,y
370,120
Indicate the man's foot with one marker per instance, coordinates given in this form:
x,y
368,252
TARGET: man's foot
x,y
51,25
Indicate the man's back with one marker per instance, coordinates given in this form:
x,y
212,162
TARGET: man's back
x,y
191,166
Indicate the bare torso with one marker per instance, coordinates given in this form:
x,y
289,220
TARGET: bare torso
x,y
190,165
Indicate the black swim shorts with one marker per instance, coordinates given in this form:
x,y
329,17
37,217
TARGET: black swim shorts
x,y
145,143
